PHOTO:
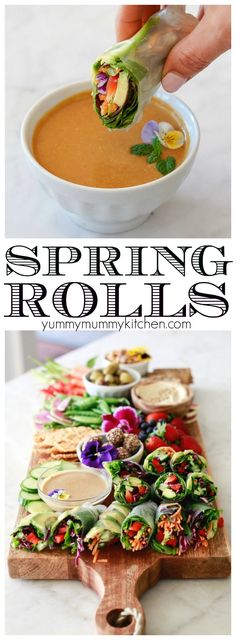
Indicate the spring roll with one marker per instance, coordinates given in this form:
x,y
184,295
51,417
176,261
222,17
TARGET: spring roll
x,y
32,533
125,77
132,491
168,527
201,524
170,487
138,527
107,529
71,526
122,469
188,461
158,461
200,487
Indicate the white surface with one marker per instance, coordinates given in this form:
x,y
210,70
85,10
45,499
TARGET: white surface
x,y
48,46
197,607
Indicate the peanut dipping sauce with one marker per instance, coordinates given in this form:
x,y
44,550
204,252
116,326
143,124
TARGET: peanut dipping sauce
x,y
80,485
72,143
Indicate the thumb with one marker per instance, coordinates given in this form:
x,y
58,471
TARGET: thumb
x,y
195,52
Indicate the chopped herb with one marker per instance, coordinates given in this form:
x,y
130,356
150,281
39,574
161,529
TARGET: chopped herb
x,y
141,149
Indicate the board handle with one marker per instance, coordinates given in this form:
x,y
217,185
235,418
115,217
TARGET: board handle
x,y
122,615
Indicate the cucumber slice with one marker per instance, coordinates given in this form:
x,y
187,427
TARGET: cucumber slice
x,y
29,484
38,506
68,465
37,471
168,493
26,496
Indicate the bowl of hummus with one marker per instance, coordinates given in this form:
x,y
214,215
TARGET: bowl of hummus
x,y
164,394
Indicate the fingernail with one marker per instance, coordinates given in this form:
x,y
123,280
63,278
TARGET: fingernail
x,y
173,81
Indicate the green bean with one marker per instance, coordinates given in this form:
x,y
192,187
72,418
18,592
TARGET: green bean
x,y
87,420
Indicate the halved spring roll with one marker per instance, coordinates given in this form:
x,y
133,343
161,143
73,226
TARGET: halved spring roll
x,y
138,527
158,461
168,527
201,524
169,487
188,461
107,529
132,491
121,470
126,76
32,533
71,526
200,486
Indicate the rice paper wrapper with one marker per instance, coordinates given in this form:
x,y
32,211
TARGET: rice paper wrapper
x,y
120,491
85,516
192,490
197,462
144,513
165,510
142,58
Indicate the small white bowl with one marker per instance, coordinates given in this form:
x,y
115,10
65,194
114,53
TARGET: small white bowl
x,y
108,210
114,391
142,367
63,505
136,457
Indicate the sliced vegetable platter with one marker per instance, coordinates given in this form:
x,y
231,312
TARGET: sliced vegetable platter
x,y
119,577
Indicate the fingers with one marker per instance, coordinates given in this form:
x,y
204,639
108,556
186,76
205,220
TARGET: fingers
x,y
196,51
131,18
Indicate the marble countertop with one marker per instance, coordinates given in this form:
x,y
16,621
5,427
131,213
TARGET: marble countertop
x,y
195,607
48,46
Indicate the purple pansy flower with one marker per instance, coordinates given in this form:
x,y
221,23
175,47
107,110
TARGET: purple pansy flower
x,y
94,453
149,131
125,418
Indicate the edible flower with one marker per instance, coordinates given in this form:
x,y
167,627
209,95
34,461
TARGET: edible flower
x,y
169,137
94,453
59,493
125,418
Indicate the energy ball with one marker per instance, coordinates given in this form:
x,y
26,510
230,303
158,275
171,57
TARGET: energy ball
x,y
115,437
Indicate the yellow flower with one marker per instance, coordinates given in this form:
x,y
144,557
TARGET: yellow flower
x,y
169,137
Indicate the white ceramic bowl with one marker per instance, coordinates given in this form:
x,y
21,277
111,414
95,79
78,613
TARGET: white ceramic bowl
x,y
108,210
142,367
63,505
136,457
114,391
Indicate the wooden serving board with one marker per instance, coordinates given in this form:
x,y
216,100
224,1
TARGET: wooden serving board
x,y
121,577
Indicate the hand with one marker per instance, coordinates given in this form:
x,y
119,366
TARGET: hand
x,y
210,38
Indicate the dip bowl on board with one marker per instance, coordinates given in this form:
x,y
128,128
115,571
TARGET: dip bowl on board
x,y
107,210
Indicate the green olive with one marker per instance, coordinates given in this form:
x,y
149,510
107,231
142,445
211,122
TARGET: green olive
x,y
112,368
125,377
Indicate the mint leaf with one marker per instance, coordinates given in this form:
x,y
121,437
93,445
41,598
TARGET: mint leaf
x,y
152,157
141,149
170,163
157,147
161,167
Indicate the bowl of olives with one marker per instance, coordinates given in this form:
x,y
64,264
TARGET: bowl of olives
x,y
111,381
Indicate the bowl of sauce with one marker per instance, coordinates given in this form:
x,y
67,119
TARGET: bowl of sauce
x,y
63,490
90,171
